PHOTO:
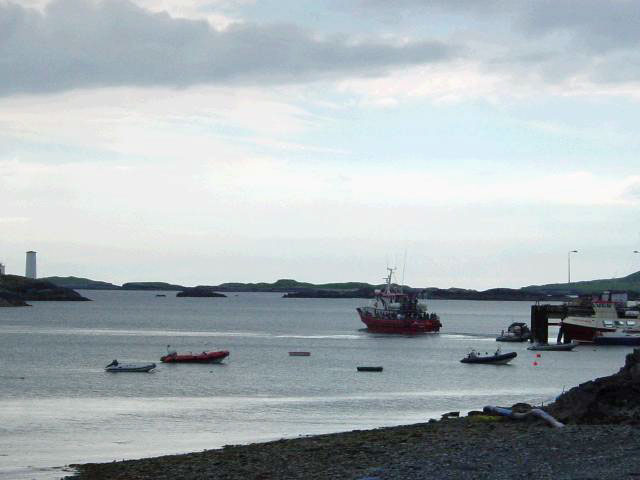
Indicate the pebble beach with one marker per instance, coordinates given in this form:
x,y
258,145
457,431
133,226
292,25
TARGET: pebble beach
x,y
599,440
476,447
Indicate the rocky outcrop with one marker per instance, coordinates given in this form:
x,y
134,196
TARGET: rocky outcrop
x,y
199,291
35,290
608,400
8,299
162,286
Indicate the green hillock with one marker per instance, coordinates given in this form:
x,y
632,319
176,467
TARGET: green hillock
x,y
630,283
80,283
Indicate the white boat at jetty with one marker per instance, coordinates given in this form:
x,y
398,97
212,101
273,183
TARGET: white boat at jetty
x,y
554,347
609,319
116,366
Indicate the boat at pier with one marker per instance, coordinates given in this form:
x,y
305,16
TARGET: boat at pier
x,y
554,347
517,332
606,320
204,357
394,311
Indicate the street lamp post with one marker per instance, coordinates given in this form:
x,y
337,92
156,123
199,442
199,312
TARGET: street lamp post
x,y
569,268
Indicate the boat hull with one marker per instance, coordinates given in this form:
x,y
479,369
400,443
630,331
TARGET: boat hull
x,y
501,359
504,338
204,357
630,340
131,368
554,347
582,333
377,324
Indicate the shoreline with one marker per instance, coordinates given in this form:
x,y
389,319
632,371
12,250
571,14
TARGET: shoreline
x,y
473,447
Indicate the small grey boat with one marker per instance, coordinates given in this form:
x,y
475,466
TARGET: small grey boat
x,y
116,366
554,347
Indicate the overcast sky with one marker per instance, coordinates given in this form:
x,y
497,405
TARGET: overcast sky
x,y
199,142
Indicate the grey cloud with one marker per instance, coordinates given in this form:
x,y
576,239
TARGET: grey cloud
x,y
596,24
82,43
549,39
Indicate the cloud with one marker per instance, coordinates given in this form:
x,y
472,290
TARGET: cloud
x,y
537,42
82,43
594,24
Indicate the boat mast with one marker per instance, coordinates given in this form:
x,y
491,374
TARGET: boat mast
x,y
388,280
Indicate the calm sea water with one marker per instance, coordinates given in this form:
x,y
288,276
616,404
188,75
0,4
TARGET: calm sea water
x,y
58,406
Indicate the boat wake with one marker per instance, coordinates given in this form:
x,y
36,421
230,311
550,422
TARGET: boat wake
x,y
17,329
469,336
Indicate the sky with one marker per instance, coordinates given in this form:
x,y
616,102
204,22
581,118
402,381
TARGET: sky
x,y
470,143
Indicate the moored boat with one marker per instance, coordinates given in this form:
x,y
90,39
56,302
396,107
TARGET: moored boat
x,y
498,358
516,332
116,366
606,320
621,337
554,347
204,357
369,369
394,311
299,354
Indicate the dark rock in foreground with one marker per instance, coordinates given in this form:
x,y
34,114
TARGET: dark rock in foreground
x,y
608,400
199,291
37,290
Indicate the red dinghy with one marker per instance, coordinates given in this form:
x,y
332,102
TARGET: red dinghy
x,y
204,357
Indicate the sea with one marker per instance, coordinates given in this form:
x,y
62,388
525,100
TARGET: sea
x,y
58,406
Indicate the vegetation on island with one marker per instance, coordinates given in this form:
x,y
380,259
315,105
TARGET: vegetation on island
x,y
200,291
16,291
630,283
295,289
79,283
152,286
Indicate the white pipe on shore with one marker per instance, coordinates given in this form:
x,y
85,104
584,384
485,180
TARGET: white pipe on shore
x,y
536,412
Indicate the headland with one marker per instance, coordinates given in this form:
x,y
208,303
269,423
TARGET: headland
x,y
16,291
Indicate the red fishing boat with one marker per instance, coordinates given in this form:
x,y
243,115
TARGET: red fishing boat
x,y
394,311
204,357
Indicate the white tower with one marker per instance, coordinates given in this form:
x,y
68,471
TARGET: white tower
x,y
30,270
1,268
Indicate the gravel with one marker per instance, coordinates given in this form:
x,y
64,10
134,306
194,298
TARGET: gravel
x,y
478,447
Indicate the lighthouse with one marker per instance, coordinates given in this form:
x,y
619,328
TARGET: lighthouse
x,y
30,269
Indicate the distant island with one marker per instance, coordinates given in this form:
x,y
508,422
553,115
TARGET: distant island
x,y
79,283
15,291
200,291
295,289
